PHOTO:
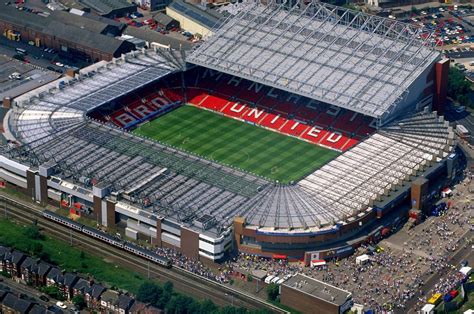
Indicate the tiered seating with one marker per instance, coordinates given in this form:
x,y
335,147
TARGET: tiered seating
x,y
121,118
293,127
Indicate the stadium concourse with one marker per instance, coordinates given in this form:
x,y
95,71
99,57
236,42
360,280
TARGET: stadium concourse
x,y
69,141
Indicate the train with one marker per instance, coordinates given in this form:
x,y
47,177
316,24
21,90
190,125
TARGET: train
x,y
104,237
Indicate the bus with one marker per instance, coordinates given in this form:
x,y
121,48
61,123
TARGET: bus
x,y
21,51
435,299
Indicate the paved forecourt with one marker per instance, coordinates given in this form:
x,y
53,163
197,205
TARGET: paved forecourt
x,y
253,149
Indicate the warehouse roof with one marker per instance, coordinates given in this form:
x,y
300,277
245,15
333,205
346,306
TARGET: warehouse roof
x,y
79,21
318,289
162,18
153,36
12,15
83,37
346,58
209,19
106,6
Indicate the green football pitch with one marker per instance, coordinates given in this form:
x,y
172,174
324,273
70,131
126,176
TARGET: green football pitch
x,y
235,143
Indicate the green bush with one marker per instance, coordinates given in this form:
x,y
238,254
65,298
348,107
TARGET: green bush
x,y
272,291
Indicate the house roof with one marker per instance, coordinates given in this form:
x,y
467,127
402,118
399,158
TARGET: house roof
x,y
3,293
81,285
17,257
18,305
30,264
23,306
110,296
3,252
37,309
43,268
96,291
70,279
55,274
125,302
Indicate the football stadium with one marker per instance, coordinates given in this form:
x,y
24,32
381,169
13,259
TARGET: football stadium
x,y
292,131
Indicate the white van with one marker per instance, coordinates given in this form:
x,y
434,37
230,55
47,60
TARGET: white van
x,y
268,279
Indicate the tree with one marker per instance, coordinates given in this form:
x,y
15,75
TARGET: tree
x,y
149,292
33,232
79,301
165,296
458,86
272,291
54,292
207,306
35,248
179,304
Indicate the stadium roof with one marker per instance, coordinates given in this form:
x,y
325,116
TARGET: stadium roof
x,y
357,61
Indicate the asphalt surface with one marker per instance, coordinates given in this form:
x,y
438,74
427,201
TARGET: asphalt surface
x,y
36,55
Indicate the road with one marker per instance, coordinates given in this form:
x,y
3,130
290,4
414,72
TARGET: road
x,y
463,253
183,281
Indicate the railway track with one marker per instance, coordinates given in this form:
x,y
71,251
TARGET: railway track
x,y
182,280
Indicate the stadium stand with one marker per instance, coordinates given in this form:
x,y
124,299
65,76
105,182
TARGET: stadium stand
x,y
309,89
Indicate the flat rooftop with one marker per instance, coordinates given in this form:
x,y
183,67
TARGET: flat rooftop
x,y
31,77
318,289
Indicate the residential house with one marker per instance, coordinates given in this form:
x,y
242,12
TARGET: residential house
x,y
3,293
11,304
93,295
124,304
109,301
4,252
70,280
14,261
43,269
37,309
54,277
81,287
29,271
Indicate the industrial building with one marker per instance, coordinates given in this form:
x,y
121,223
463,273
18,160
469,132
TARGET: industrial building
x,y
110,8
194,19
309,295
82,39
